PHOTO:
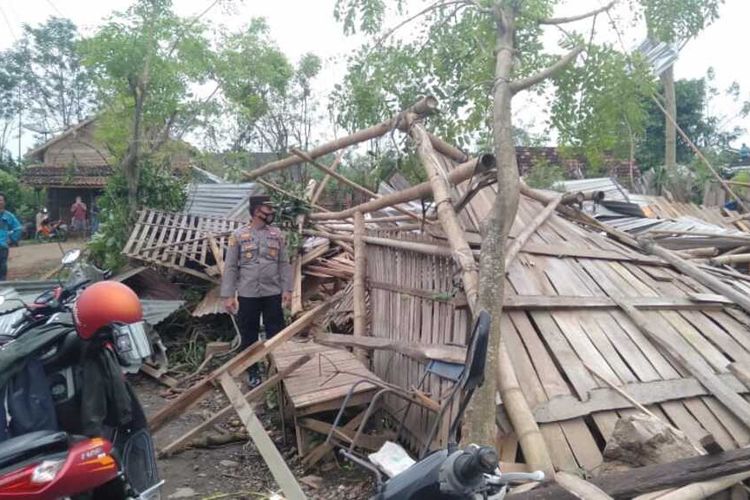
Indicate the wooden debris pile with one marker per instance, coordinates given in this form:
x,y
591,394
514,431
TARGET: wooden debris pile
x,y
598,325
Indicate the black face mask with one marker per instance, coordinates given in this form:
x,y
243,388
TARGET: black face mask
x,y
266,218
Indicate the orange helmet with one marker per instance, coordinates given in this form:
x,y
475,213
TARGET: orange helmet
x,y
104,303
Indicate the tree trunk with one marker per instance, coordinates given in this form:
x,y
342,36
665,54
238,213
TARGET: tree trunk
x,y
132,157
479,423
670,132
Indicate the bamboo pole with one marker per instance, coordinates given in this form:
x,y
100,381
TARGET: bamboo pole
x,y
741,258
412,246
697,491
271,185
525,234
698,253
360,271
347,181
690,269
580,487
446,215
420,191
423,106
322,186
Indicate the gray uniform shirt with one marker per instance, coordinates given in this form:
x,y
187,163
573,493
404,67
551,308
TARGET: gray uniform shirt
x,y
256,264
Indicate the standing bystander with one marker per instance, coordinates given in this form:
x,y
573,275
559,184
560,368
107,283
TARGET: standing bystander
x,y
78,211
10,233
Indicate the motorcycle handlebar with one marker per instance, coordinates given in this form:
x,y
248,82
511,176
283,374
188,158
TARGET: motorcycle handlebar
x,y
520,477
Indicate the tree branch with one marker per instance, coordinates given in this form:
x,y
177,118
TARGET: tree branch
x,y
571,19
524,83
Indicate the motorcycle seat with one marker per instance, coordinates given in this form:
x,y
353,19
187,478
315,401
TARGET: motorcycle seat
x,y
32,444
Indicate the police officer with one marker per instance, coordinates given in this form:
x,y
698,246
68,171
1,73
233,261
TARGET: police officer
x,y
257,269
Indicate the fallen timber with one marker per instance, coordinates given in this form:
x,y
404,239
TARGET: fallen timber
x,y
642,480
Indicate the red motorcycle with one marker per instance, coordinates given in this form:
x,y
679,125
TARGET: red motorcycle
x,y
98,445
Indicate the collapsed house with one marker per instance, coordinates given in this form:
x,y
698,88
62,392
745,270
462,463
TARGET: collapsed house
x,y
598,326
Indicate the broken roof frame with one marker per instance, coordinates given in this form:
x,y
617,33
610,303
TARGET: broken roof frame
x,y
580,299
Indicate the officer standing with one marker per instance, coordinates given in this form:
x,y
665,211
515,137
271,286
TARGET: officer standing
x,y
257,269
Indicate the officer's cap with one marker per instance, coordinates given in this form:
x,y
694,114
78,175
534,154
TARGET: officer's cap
x,y
258,200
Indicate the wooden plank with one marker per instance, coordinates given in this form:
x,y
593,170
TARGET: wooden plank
x,y
271,455
249,396
560,249
235,366
605,399
423,352
634,482
135,234
694,364
546,302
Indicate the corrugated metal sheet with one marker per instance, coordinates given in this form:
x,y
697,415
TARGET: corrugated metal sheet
x,y
156,311
212,303
222,200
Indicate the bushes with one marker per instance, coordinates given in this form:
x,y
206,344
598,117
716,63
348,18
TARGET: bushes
x,y
158,189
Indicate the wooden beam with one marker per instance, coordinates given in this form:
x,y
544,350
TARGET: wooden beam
x,y
216,251
567,407
366,441
249,396
235,366
271,455
705,375
413,246
422,352
633,482
519,241
360,272
702,277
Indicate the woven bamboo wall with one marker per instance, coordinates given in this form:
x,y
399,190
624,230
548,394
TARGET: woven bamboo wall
x,y
407,317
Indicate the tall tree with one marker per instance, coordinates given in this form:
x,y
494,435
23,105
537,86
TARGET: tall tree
x,y
56,89
676,21
146,61
269,98
10,102
477,55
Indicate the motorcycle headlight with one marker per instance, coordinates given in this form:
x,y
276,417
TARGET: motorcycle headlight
x,y
132,345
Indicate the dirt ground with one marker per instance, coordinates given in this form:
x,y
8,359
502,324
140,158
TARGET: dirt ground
x,y
33,260
236,470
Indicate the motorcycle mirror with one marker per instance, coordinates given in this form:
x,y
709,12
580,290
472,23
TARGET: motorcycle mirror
x,y
71,256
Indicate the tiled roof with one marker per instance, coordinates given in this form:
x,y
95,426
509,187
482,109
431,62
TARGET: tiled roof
x,y
575,166
46,176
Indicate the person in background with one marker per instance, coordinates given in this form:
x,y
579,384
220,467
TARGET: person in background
x,y
256,268
78,212
40,216
10,233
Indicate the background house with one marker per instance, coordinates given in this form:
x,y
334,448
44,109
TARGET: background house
x,y
71,164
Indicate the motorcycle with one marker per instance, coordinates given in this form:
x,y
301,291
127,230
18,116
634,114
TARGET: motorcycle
x,y
52,231
56,299
120,463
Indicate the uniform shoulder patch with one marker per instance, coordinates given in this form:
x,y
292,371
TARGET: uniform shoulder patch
x,y
232,240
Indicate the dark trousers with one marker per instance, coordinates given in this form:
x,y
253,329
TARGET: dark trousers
x,y
3,262
251,309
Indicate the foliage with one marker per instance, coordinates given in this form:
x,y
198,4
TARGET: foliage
x,y
679,20
19,199
268,102
711,133
158,188
596,106
53,89
544,175
288,209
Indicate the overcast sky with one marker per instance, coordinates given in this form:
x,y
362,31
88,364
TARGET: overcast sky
x,y
301,26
